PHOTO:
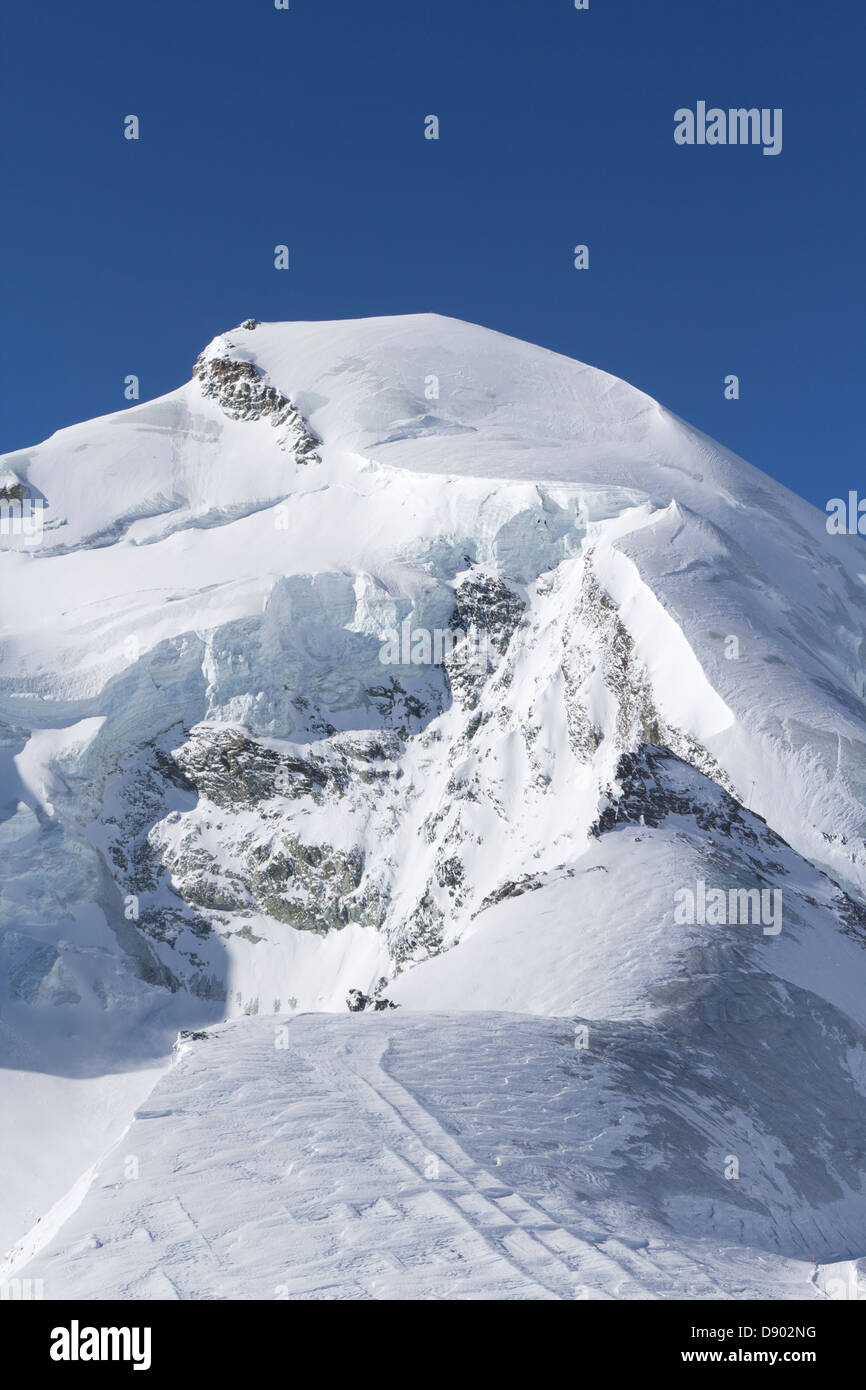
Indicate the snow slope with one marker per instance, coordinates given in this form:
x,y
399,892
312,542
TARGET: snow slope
x,y
370,1157
217,800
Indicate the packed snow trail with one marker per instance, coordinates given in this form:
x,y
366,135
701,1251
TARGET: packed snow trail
x,y
293,1159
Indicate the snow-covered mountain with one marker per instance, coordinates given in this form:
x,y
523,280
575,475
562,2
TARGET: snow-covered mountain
x,y
400,655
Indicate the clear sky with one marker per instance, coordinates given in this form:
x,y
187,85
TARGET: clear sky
x,y
305,127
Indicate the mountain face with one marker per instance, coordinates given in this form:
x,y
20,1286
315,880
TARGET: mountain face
x,y
399,655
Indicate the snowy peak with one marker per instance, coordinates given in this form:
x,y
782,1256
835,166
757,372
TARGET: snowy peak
x,y
399,385
400,648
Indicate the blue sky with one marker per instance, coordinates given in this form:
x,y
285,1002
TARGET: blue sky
x,y
306,127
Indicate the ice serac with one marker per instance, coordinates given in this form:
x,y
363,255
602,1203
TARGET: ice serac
x,y
398,648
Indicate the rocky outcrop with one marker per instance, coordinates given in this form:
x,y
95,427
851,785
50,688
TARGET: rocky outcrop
x,y
243,851
11,490
309,887
234,770
421,934
357,1001
340,827
242,392
653,783
639,721
486,613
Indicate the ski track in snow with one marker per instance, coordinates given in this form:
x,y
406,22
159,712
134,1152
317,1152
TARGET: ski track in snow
x,y
312,1171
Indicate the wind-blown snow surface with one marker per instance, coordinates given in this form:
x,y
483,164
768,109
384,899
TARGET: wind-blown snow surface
x,y
217,800
399,1158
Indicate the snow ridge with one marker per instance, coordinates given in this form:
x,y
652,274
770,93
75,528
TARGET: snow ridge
x,y
396,648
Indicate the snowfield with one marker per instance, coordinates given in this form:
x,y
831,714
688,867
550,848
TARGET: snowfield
x,y
395,654
476,1155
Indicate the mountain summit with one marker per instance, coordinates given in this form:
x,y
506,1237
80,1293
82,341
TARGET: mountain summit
x,y
400,656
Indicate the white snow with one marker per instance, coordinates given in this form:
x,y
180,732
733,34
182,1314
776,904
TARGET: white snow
x,y
375,1158
196,582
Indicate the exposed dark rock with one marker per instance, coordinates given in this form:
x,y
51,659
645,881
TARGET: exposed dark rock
x,y
649,787
14,492
356,1002
243,394
421,934
486,612
512,888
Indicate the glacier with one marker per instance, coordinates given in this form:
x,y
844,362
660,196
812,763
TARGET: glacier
x,y
226,799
